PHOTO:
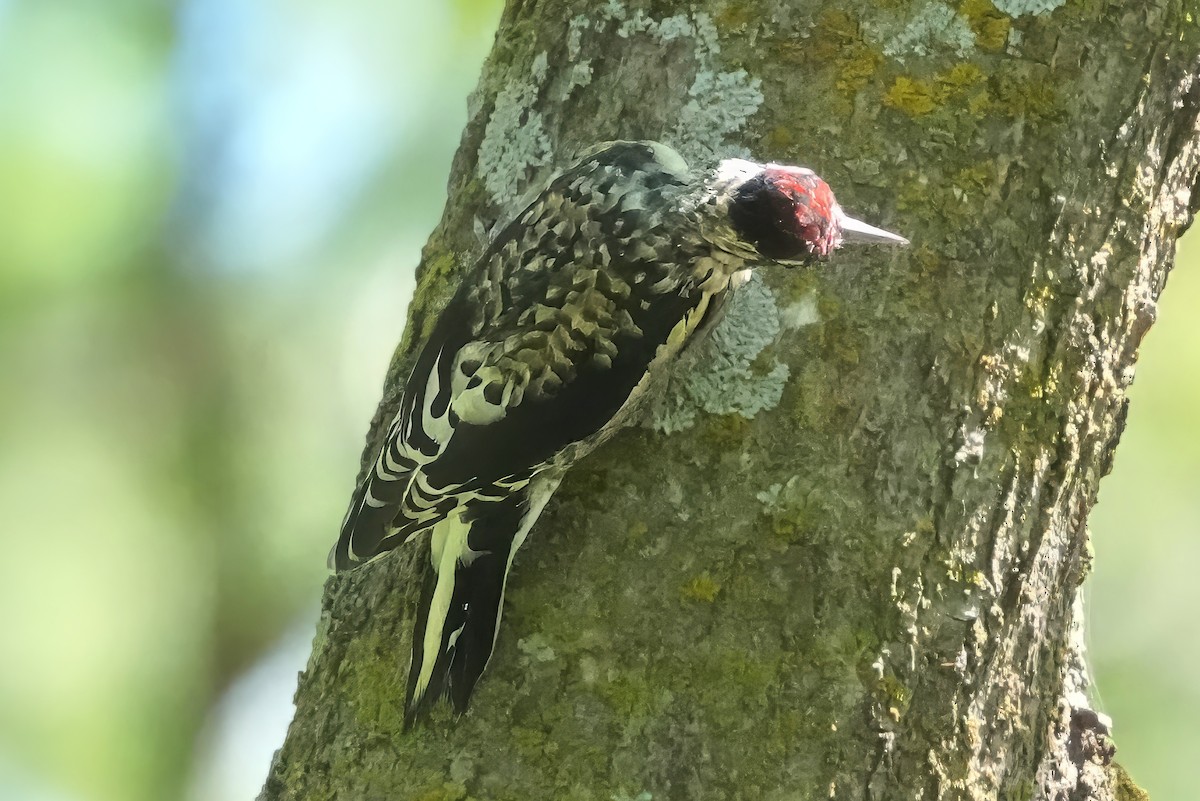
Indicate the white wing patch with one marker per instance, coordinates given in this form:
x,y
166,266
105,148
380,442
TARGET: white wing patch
x,y
436,427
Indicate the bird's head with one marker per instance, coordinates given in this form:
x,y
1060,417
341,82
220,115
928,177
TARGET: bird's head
x,y
788,214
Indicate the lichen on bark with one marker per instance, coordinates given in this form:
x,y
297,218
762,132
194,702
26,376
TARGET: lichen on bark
x,y
867,588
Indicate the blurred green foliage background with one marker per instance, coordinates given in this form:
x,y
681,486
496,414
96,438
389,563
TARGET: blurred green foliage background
x,y
210,211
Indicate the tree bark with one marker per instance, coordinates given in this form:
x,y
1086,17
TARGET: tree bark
x,y
852,569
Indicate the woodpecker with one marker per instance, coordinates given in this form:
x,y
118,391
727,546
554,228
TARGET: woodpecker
x,y
577,307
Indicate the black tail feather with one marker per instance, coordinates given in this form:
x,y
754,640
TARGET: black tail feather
x,y
419,708
485,591
474,612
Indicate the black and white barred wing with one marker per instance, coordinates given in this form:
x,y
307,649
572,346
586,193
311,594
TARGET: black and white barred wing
x,y
541,346
396,499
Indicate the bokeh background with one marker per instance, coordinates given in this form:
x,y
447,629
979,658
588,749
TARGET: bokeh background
x,y
210,211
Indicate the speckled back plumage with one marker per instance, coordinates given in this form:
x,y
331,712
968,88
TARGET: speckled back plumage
x,y
577,272
574,297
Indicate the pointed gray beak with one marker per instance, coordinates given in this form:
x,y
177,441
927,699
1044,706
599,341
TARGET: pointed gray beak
x,y
857,232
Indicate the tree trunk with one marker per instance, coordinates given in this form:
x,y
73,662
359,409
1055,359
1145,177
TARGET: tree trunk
x,y
852,568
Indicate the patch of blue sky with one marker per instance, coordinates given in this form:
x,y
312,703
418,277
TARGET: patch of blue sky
x,y
283,119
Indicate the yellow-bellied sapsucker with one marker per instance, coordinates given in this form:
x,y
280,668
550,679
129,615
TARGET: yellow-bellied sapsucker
x,y
574,309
